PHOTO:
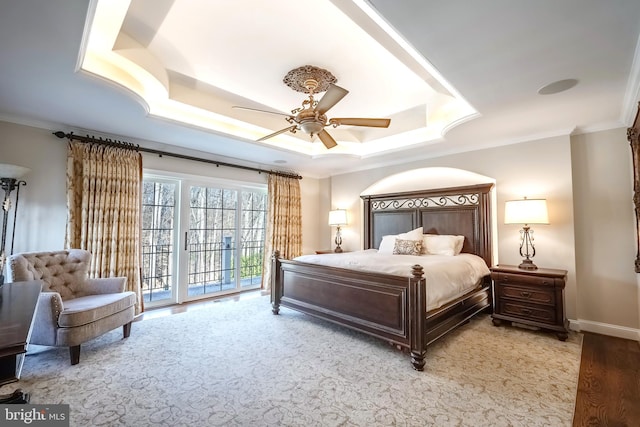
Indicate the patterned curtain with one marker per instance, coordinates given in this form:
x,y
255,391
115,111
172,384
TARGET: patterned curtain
x,y
284,223
103,202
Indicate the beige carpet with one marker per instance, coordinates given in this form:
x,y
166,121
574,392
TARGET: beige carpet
x,y
236,364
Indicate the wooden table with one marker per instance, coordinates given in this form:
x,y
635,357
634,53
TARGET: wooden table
x,y
18,302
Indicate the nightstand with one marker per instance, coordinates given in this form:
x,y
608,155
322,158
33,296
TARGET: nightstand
x,y
530,297
329,251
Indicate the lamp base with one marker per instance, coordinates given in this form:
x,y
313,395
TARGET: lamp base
x,y
527,264
338,249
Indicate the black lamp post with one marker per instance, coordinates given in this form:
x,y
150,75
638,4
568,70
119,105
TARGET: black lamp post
x,y
9,181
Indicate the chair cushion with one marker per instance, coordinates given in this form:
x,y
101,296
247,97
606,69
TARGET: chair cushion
x,y
84,310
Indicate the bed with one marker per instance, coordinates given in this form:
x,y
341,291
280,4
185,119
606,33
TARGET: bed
x,y
389,306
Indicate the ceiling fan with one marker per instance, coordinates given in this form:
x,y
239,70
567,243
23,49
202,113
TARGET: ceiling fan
x,y
311,117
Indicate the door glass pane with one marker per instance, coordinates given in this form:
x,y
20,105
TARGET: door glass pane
x,y
158,215
211,242
252,228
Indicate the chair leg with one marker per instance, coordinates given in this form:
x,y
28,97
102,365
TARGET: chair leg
x,y
74,352
126,329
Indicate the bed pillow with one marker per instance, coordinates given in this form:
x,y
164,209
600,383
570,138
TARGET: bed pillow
x,y
388,242
411,235
435,244
407,247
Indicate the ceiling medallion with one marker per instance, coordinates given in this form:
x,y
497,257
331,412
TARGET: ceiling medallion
x,y
309,79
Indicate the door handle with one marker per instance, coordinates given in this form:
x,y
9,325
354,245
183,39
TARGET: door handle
x,y
185,240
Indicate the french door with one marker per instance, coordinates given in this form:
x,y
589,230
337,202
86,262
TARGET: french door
x,y
200,239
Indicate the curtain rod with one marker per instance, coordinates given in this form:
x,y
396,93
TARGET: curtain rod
x,y
131,146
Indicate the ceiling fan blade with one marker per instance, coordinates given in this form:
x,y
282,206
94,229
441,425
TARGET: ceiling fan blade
x,y
354,121
332,96
289,129
327,139
260,111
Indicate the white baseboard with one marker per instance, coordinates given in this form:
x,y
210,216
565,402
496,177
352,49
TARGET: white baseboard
x,y
582,325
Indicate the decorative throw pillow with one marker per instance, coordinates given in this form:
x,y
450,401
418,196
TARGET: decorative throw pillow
x,y
407,247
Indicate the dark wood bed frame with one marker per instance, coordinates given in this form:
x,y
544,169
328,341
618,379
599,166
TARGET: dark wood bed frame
x,y
391,307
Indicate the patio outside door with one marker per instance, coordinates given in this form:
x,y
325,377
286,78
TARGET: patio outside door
x,y
209,243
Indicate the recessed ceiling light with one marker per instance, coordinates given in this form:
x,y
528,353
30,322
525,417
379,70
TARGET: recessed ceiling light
x,y
280,162
556,87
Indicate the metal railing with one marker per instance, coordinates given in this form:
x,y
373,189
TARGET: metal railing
x,y
212,268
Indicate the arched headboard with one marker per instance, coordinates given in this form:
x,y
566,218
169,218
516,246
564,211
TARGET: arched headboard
x,y
462,211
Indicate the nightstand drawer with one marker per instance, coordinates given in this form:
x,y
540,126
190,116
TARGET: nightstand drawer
x,y
505,278
526,294
528,312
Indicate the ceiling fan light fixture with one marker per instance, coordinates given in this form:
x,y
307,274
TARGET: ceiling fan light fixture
x,y
312,127
311,118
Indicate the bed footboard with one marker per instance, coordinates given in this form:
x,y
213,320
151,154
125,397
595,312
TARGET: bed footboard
x,y
388,307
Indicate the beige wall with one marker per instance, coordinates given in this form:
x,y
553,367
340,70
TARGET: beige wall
x,y
314,195
605,230
42,208
586,180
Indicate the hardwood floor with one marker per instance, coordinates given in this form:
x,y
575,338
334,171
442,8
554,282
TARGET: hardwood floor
x,y
608,386
195,305
609,382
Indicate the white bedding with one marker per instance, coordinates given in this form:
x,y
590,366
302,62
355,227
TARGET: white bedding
x,y
447,277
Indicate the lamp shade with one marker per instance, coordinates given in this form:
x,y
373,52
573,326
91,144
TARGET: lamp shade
x,y
12,171
526,211
338,217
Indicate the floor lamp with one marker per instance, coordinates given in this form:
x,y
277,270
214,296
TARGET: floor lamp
x,y
9,181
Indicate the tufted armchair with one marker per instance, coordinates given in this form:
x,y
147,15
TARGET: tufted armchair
x,y
72,308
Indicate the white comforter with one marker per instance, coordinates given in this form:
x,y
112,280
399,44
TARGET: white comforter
x,y
447,277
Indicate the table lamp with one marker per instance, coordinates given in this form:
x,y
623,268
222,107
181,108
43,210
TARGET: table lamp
x,y
526,211
338,218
